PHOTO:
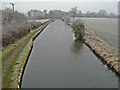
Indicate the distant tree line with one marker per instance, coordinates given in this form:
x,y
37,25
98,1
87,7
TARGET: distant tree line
x,y
73,12
16,24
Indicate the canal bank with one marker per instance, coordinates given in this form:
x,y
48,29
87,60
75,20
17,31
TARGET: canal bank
x,y
27,53
103,50
19,53
59,61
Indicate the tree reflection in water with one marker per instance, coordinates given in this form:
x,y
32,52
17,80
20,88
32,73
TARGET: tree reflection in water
x,y
77,46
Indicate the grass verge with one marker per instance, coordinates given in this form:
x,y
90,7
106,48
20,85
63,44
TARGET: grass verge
x,y
10,58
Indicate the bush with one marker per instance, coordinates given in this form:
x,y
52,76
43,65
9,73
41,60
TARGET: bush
x,y
13,33
78,28
67,20
34,25
15,26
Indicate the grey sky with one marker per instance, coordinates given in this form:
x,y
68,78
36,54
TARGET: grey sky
x,y
65,6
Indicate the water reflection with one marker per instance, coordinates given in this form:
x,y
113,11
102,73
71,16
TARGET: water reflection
x,y
77,46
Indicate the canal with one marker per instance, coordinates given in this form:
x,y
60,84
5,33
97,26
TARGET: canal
x,y
59,61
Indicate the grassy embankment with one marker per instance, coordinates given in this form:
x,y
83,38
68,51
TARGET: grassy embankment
x,y
12,59
103,50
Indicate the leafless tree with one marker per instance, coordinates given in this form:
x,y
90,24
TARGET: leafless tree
x,y
67,20
45,12
74,11
102,13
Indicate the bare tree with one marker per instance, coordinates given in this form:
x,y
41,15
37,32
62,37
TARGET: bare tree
x,y
45,12
102,13
74,11
67,20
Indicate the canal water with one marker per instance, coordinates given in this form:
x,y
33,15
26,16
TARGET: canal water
x,y
59,61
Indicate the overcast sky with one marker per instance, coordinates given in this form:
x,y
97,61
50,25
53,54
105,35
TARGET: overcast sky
x,y
65,5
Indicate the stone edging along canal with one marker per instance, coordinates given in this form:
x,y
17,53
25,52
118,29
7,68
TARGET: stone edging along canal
x,y
103,50
28,49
